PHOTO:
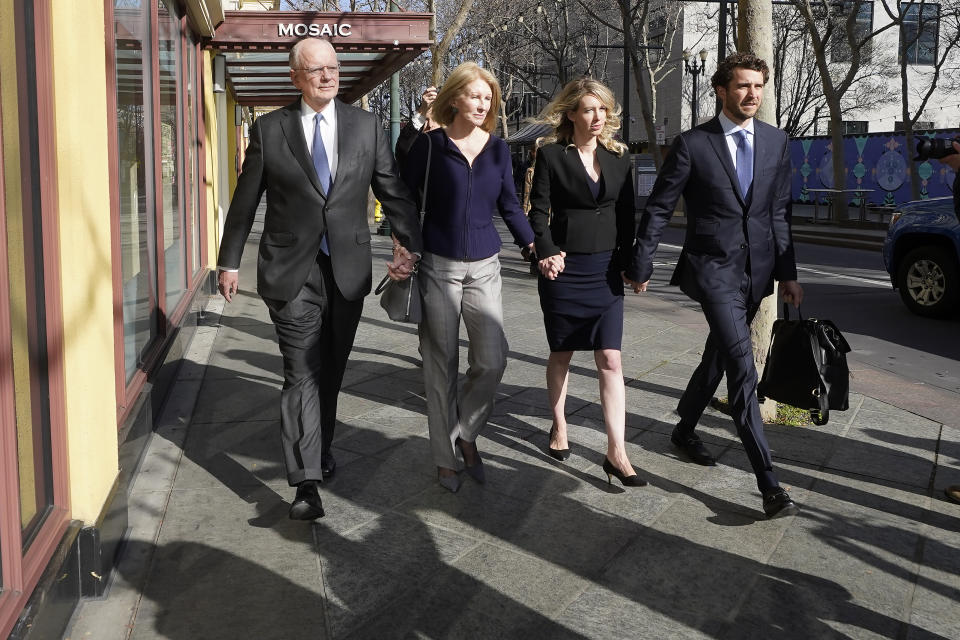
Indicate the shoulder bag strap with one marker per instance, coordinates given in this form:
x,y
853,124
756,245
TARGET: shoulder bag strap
x,y
426,176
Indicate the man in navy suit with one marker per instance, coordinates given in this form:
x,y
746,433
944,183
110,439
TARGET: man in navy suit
x,y
734,175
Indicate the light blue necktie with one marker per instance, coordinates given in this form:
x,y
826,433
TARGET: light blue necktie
x,y
322,168
744,163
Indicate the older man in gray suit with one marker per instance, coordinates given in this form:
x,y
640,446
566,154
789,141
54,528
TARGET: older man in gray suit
x,y
316,160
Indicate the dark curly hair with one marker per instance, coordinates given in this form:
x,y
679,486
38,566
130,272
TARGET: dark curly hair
x,y
745,60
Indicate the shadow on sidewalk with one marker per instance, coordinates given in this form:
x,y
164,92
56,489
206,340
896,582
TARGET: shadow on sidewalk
x,y
391,576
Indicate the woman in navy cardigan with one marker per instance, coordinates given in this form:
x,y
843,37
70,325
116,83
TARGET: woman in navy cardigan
x,y
582,213
470,178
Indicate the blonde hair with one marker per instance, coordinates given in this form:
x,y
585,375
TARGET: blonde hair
x,y
456,85
569,100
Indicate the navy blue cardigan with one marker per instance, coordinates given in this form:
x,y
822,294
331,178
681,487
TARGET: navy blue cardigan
x,y
461,200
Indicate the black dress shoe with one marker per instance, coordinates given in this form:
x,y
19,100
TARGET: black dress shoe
x,y
307,504
691,445
327,465
777,503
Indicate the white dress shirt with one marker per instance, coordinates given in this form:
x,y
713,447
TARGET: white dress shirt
x,y
729,129
328,132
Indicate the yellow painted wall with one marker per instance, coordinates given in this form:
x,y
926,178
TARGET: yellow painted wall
x,y
83,191
211,141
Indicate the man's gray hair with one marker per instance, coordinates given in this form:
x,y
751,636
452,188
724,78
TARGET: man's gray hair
x,y
293,60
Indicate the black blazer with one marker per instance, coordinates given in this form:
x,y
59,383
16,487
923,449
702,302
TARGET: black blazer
x,y
299,212
565,215
724,234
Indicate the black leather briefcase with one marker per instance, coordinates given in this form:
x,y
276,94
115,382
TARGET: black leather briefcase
x,y
807,366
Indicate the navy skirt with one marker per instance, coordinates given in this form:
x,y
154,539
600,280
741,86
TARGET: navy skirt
x,y
583,307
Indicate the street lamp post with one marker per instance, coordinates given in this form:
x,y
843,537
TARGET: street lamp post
x,y
694,70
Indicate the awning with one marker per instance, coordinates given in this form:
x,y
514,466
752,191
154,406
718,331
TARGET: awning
x,y
529,133
370,46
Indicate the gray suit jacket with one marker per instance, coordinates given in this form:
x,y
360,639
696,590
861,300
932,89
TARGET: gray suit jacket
x,y
725,235
299,212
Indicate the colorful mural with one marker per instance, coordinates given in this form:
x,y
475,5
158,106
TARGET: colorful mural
x,y
877,168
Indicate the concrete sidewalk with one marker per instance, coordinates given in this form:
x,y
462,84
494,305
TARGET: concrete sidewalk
x,y
544,549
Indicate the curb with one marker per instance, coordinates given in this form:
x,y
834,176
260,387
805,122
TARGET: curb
x,y
832,236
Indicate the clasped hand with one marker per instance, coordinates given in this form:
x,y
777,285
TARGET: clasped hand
x,y
403,262
551,266
636,286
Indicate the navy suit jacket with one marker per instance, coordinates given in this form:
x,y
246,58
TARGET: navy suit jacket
x,y
725,235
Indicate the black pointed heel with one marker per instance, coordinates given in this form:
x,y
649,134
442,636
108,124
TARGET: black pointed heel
x,y
628,481
475,470
556,454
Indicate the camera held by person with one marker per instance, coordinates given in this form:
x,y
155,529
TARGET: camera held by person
x,y
936,148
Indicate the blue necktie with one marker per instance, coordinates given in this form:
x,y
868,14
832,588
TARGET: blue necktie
x,y
744,163
322,168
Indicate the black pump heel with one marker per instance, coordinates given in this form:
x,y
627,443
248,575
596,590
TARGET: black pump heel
x,y
557,454
628,481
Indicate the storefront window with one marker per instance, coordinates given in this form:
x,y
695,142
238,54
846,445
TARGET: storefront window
x,y
170,145
193,149
26,319
135,166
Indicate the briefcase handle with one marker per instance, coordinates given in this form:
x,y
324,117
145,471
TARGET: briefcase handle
x,y
786,311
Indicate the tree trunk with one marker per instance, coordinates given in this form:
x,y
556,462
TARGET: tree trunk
x,y
440,49
908,130
756,35
836,142
630,53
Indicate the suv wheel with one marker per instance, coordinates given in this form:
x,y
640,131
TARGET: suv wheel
x,y
929,281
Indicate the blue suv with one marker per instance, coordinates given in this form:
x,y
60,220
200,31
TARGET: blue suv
x,y
922,256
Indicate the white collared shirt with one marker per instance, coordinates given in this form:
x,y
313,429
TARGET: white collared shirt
x,y
729,129
328,131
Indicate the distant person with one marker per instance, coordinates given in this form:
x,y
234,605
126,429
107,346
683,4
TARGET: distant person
x,y
421,122
528,177
314,264
734,175
471,178
583,217
527,186
953,161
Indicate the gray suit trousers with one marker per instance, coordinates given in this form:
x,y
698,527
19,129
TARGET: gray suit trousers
x,y
315,331
455,289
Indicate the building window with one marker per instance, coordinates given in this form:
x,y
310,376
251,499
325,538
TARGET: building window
x,y
656,35
850,127
919,125
138,258
862,28
193,150
171,201
33,497
918,32
158,185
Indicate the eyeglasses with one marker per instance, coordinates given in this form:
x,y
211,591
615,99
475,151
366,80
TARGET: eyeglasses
x,y
316,71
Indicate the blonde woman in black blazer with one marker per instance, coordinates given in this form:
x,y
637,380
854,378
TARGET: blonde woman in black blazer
x,y
582,214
